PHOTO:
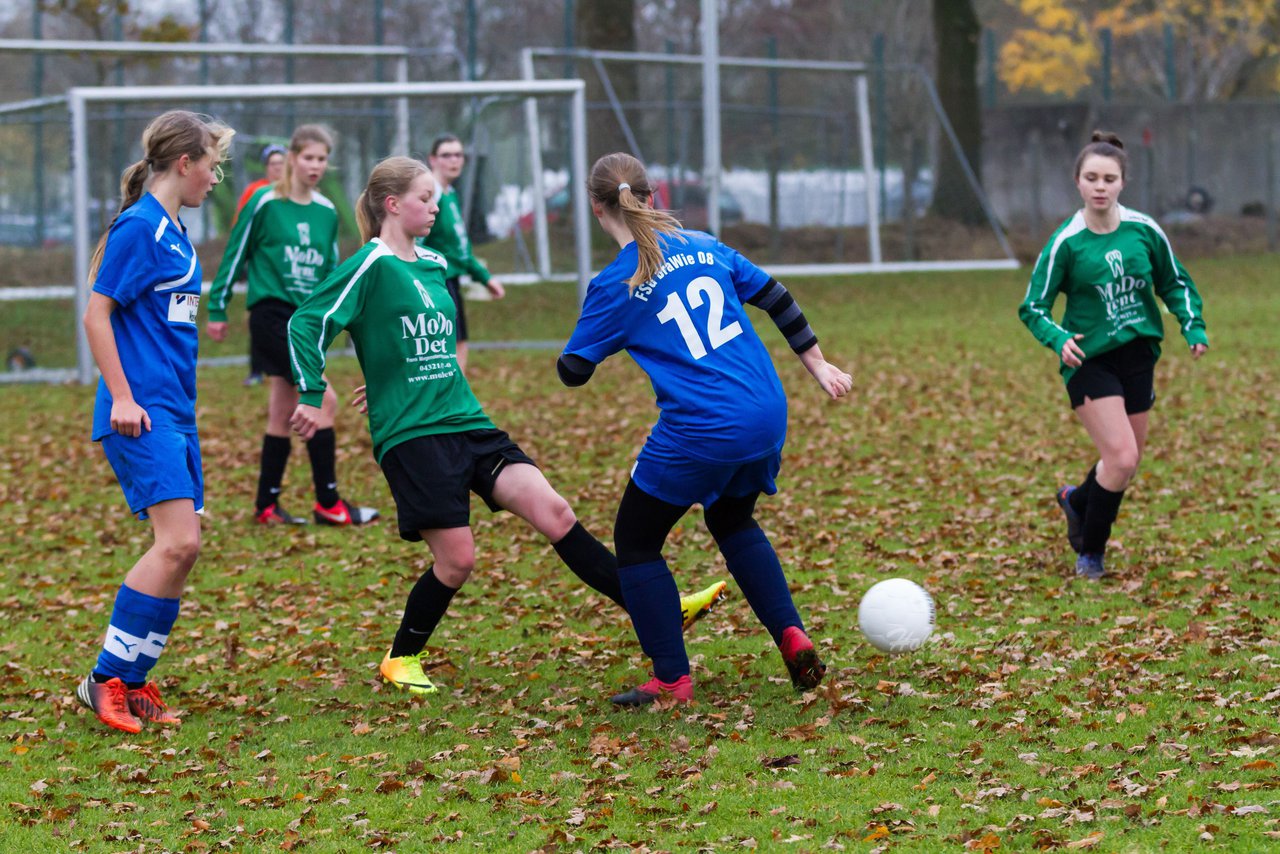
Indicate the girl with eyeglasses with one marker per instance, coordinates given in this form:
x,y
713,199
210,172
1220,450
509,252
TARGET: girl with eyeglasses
x,y
449,235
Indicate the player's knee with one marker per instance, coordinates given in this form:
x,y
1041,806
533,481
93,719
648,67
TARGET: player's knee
x,y
1125,463
560,518
179,552
454,570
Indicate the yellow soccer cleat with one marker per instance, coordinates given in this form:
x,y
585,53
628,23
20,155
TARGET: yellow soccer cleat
x,y
406,672
695,606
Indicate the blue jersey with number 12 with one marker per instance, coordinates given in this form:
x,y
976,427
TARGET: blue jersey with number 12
x,y
719,397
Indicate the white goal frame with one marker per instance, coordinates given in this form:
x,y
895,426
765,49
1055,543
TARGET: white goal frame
x,y
79,99
710,61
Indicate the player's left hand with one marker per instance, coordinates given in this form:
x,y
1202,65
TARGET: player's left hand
x,y
496,290
305,420
834,381
1197,350
360,399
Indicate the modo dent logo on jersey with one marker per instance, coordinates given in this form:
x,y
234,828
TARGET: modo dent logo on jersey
x,y
430,333
1120,295
303,262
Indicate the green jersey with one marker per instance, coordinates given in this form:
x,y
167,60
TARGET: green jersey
x,y
401,320
1111,282
449,237
285,248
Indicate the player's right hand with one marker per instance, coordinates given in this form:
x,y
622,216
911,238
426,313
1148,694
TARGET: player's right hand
x,y
216,330
305,420
834,381
129,419
1072,356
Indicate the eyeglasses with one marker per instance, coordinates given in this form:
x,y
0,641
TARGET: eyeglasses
x,y
450,154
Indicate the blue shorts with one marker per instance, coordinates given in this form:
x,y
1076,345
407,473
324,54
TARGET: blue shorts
x,y
160,465
680,480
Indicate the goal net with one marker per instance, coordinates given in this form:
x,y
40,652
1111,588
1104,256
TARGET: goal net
x,y
369,121
823,167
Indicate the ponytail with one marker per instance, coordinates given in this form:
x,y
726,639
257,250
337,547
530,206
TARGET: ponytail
x,y
168,137
619,183
391,177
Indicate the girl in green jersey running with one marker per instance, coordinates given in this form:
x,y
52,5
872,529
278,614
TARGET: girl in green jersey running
x,y
1111,263
285,241
431,437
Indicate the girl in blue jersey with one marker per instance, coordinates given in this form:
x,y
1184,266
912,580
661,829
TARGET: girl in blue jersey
x,y
141,326
674,300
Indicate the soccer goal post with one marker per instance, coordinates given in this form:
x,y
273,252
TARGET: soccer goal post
x,y
864,141
80,99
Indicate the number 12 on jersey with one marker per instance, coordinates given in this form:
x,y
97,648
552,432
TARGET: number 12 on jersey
x,y
717,335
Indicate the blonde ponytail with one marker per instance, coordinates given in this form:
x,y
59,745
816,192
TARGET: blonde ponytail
x,y
619,183
391,177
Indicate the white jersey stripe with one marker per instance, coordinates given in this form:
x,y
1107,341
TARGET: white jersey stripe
x,y
244,241
177,283
164,221
1135,216
1073,227
377,253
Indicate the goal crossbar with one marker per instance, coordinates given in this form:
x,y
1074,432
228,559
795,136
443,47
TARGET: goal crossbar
x,y
79,99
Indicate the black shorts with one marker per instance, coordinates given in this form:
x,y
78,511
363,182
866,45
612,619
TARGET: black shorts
x,y
460,322
1127,371
431,477
269,337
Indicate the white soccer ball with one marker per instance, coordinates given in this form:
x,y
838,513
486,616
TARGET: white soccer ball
x,y
896,615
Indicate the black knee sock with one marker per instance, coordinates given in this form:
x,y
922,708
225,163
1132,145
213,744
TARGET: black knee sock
x,y
588,558
321,448
275,456
1104,506
427,603
1080,498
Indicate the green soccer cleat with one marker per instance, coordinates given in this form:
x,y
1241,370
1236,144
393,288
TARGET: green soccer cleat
x,y
695,606
406,672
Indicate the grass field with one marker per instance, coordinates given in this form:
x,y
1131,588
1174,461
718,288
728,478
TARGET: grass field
x,y
1130,715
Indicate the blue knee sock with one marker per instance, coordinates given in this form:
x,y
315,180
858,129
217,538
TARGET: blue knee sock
x,y
754,565
132,634
654,604
157,640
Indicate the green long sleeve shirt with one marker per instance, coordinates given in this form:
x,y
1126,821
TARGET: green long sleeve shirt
x,y
1111,282
283,247
401,319
449,238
